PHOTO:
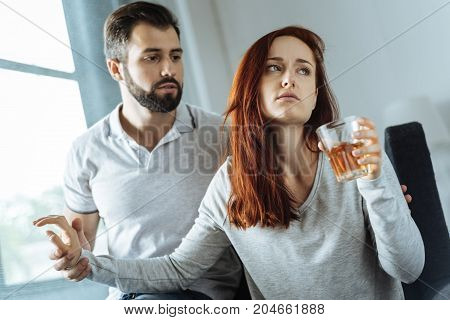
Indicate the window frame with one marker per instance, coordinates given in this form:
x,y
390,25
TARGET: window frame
x,y
35,289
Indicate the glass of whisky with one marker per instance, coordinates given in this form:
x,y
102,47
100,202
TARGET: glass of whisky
x,y
338,143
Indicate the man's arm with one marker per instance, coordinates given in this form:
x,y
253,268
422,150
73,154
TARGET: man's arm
x,y
89,224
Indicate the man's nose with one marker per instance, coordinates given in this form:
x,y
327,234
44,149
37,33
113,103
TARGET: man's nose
x,y
167,69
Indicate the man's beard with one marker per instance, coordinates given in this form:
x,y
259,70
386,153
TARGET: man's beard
x,y
151,100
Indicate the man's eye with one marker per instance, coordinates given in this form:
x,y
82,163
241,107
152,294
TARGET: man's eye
x,y
304,71
176,58
151,58
273,67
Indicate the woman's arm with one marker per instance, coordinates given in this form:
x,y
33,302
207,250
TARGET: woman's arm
x,y
199,250
397,239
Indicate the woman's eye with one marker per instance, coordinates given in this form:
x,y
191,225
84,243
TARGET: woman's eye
x,y
273,67
304,71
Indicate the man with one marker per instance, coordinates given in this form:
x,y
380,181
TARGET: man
x,y
146,166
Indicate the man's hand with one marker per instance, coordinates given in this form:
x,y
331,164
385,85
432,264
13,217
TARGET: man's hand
x,y
76,273
82,269
70,248
408,197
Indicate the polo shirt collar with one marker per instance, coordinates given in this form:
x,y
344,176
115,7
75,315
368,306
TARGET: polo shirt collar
x,y
184,118
116,130
185,121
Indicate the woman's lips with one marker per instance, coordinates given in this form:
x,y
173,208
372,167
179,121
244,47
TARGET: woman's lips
x,y
288,97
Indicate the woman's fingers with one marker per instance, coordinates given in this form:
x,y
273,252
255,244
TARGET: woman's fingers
x,y
370,160
370,152
321,147
77,225
56,240
45,217
68,251
60,221
367,150
362,121
365,134
56,254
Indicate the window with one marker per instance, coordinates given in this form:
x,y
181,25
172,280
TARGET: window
x,y
37,39
40,115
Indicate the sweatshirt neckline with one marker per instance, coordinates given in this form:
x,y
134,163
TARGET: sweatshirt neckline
x,y
315,187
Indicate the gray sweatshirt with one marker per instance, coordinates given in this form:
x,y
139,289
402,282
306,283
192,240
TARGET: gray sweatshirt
x,y
354,240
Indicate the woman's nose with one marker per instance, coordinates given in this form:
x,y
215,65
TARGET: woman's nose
x,y
287,81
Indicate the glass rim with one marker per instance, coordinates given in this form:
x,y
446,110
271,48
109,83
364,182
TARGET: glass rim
x,y
336,123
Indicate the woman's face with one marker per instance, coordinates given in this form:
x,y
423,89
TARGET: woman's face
x,y
288,86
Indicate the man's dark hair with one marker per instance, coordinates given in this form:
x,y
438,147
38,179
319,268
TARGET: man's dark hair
x,y
120,23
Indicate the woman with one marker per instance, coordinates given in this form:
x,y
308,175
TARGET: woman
x,y
299,233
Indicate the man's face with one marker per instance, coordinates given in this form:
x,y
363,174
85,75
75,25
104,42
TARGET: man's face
x,y
153,72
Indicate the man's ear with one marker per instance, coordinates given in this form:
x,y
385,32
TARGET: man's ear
x,y
114,69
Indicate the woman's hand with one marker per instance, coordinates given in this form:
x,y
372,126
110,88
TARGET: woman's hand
x,y
370,152
71,247
407,196
63,260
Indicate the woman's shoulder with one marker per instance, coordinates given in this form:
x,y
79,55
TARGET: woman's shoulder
x,y
219,189
214,203
222,177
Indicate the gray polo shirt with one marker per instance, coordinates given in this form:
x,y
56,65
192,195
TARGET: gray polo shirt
x,y
149,200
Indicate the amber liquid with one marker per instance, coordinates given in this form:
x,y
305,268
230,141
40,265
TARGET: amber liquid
x,y
344,164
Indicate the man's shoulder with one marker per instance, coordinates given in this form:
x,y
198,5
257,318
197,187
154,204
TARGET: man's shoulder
x,y
204,117
94,135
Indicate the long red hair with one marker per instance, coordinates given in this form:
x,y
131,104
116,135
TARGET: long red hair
x,y
259,195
